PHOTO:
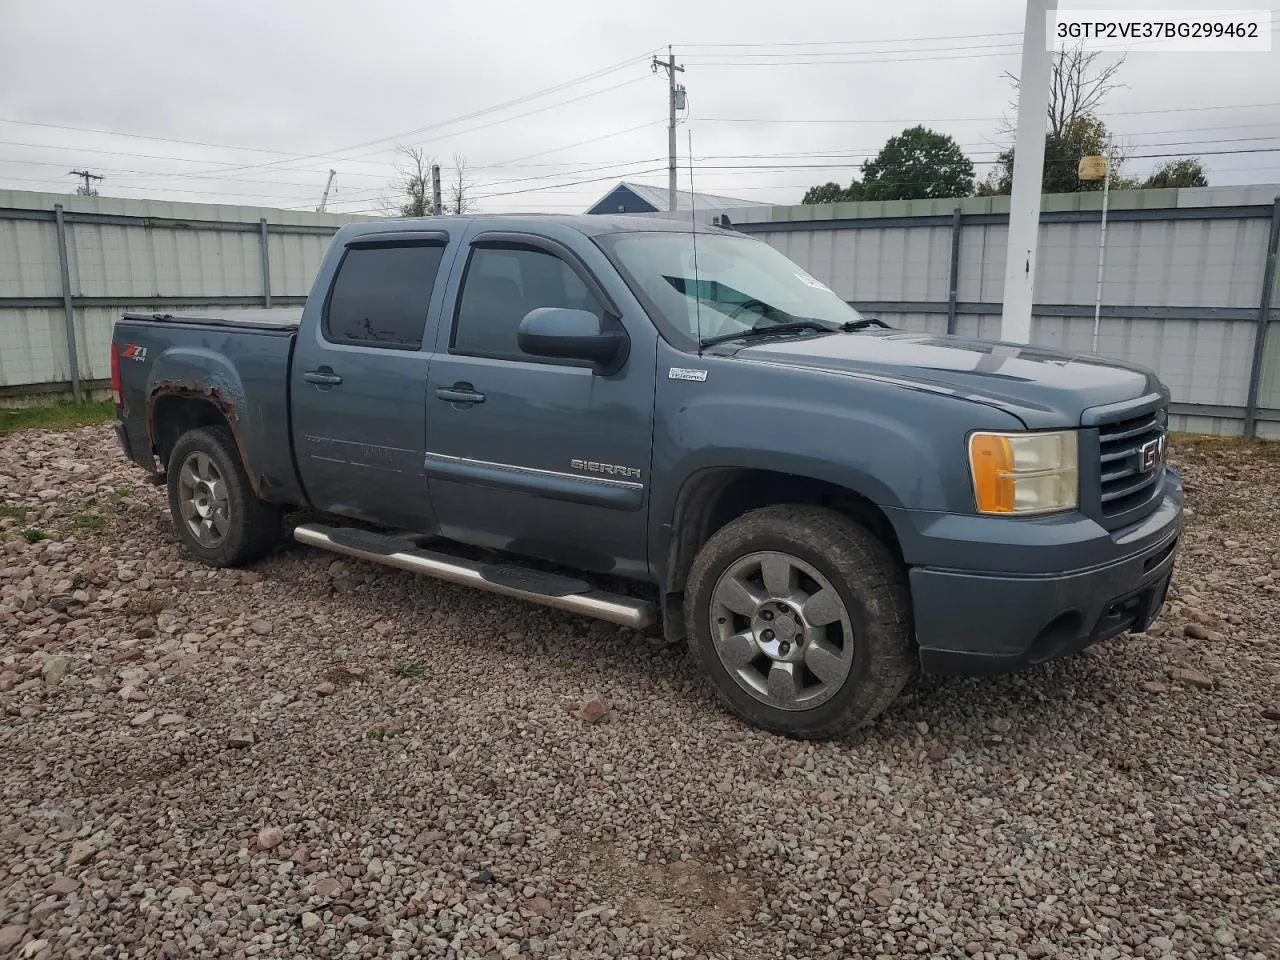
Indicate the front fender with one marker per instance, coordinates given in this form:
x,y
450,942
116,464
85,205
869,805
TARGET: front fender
x,y
894,445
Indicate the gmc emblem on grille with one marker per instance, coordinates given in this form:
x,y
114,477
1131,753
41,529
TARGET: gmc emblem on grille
x,y
1151,454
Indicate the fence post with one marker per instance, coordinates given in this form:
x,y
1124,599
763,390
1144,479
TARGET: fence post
x,y
1264,319
953,295
266,262
68,309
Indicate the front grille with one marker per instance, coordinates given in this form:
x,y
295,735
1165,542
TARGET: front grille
x,y
1125,485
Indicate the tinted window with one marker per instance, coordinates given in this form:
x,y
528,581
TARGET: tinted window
x,y
502,285
381,294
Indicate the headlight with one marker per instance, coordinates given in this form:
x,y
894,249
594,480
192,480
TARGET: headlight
x,y
1022,473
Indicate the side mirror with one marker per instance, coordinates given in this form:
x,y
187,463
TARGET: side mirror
x,y
572,335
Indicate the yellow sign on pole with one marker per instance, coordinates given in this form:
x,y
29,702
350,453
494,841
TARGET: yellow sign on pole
x,y
1092,167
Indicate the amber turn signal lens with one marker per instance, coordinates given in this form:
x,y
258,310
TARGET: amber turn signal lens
x,y
991,457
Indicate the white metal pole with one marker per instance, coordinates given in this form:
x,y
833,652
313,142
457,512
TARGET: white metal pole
x,y
1102,255
1028,172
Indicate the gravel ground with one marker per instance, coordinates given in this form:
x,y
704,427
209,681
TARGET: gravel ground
x,y
324,758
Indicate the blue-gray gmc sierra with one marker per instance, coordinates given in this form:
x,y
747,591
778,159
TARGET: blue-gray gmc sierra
x,y
630,420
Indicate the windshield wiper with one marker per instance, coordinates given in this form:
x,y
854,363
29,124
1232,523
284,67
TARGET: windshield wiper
x,y
852,326
764,330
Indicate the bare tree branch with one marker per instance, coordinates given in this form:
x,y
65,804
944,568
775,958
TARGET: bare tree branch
x,y
460,187
1078,85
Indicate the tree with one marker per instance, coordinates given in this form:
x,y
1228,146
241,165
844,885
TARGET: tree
x,y
412,184
460,198
916,164
830,193
1187,172
1082,136
1077,86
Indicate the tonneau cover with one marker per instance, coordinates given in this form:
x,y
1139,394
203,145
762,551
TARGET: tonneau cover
x,y
274,318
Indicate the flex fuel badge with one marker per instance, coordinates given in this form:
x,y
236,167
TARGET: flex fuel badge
x,y
684,373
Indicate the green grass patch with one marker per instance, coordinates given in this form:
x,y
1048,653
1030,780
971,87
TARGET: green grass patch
x,y
88,523
34,536
411,671
13,511
56,417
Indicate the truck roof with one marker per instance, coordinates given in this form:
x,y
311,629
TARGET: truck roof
x,y
590,225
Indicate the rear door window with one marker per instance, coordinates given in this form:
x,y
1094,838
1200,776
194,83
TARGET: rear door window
x,y
381,295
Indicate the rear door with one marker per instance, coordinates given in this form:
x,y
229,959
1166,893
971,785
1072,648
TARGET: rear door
x,y
545,458
359,380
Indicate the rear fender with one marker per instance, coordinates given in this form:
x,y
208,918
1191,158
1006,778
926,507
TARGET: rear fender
x,y
205,375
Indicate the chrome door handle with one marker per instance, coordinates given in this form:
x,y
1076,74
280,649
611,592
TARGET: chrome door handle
x,y
323,377
460,393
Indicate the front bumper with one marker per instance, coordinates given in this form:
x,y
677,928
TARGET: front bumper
x,y
980,621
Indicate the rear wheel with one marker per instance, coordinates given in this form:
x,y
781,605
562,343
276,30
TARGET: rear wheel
x,y
219,519
801,618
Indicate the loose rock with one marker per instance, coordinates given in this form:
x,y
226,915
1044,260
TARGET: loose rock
x,y
593,709
1193,677
55,668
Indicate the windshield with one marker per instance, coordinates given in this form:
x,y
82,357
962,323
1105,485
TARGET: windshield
x,y
740,284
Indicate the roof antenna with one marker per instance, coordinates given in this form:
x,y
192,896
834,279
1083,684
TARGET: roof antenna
x,y
697,284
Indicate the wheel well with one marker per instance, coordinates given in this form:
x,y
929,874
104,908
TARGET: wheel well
x,y
714,498
174,415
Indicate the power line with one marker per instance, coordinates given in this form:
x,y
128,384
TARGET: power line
x,y
1010,52
530,113
143,136
572,183
1109,113
814,55
567,146
406,134
823,43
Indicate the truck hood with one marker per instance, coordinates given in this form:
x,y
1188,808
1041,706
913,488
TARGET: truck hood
x,y
1043,388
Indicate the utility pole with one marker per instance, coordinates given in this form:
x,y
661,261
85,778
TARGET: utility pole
x,y
1028,174
324,199
87,190
675,96
436,207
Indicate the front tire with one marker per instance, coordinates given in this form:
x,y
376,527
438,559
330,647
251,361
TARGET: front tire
x,y
801,619
215,512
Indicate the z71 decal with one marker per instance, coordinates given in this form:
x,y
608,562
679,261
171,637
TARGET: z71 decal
x,y
132,351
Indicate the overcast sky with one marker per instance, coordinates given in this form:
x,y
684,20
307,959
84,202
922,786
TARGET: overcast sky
x,y
252,101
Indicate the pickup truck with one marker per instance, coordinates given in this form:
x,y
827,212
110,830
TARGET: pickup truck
x,y
669,428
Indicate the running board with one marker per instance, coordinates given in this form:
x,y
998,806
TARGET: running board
x,y
509,580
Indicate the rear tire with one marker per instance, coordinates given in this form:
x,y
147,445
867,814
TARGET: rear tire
x,y
215,512
802,620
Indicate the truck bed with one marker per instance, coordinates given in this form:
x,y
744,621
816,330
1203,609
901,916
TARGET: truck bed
x,y
236,359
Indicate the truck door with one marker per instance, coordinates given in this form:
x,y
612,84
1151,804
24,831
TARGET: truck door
x,y
540,457
359,380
